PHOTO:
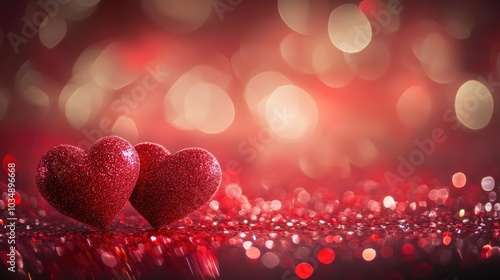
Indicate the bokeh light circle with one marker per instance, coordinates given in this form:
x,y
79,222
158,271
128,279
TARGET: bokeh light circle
x,y
303,270
474,105
326,255
179,16
270,260
369,254
209,108
291,112
488,183
458,179
349,29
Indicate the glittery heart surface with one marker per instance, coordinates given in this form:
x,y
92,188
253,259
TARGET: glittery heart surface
x,y
89,186
170,186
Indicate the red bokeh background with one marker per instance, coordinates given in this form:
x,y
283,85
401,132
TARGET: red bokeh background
x,y
333,154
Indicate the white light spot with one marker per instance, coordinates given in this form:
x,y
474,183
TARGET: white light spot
x,y
389,202
458,179
126,128
303,16
474,105
349,29
369,254
270,260
209,108
291,112
52,33
488,183
214,205
233,191
182,16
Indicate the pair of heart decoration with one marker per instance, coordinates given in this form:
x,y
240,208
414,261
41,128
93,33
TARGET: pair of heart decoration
x,y
93,186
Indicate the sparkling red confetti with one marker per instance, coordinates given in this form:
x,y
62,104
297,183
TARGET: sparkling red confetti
x,y
430,241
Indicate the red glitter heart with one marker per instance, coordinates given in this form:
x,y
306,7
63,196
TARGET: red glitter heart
x,y
89,186
170,186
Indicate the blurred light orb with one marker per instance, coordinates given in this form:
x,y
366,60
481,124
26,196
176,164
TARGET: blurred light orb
x,y
209,108
109,70
211,74
27,77
362,152
83,103
108,259
488,183
331,66
37,97
253,253
372,62
175,99
247,244
302,16
214,205
295,14
349,29
458,179
326,255
304,270
53,32
383,15
414,107
233,191
459,23
369,254
291,112
492,196
270,260
178,16
82,69
269,244
125,127
303,197
260,87
438,60
276,205
79,9
389,202
488,206
296,50
474,105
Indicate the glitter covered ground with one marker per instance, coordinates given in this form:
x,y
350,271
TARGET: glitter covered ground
x,y
428,232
